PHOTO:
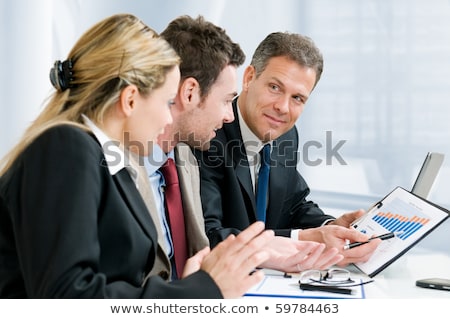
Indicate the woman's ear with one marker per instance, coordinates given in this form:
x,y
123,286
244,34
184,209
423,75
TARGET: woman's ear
x,y
128,99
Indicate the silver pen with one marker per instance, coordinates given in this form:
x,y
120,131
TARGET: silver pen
x,y
382,237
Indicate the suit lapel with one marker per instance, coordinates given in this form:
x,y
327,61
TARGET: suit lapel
x,y
149,198
135,201
279,176
146,192
190,191
243,174
236,146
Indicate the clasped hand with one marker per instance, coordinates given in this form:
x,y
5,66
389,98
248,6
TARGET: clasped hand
x,y
290,255
232,263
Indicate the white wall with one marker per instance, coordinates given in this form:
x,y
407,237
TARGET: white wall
x,y
26,51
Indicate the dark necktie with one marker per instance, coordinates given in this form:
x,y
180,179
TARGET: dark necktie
x,y
263,184
175,213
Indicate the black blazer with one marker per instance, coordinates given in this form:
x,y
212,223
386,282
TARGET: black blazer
x,y
226,188
68,229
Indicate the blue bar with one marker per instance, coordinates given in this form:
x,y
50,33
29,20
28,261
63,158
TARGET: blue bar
x,y
408,228
392,221
411,231
396,225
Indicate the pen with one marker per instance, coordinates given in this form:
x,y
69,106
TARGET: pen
x,y
382,237
338,290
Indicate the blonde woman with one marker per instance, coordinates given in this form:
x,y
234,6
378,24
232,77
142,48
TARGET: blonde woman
x,y
72,221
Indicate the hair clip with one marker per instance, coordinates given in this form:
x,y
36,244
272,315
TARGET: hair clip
x,y
61,75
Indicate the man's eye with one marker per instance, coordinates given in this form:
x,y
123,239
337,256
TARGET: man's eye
x,y
274,87
299,99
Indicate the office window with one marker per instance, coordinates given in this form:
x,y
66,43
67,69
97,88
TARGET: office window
x,y
385,92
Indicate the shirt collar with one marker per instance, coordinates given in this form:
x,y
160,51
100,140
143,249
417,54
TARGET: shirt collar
x,y
155,159
252,143
114,155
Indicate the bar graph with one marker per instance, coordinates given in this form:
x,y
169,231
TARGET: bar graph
x,y
408,216
406,220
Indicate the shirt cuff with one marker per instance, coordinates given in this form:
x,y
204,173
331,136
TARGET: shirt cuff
x,y
327,221
294,233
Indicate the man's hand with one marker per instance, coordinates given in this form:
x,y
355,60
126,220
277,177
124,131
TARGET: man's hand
x,y
232,262
345,220
290,255
334,236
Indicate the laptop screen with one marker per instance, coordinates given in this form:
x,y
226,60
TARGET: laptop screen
x,y
427,174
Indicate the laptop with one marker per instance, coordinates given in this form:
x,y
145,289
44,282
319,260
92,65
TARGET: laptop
x,y
427,174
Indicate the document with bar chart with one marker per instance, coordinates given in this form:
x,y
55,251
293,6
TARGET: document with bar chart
x,y
409,217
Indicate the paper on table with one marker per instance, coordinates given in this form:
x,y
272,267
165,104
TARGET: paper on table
x,y
281,287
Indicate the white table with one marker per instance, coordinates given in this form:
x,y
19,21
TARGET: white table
x,y
428,259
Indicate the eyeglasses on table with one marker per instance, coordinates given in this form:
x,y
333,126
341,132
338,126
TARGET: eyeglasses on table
x,y
338,277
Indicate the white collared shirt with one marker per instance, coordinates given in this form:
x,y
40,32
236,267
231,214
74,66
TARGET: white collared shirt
x,y
253,145
114,155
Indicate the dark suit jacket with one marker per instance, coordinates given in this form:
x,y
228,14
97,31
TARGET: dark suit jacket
x,y
68,229
226,188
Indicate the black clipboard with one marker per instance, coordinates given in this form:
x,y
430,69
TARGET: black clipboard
x,y
408,215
